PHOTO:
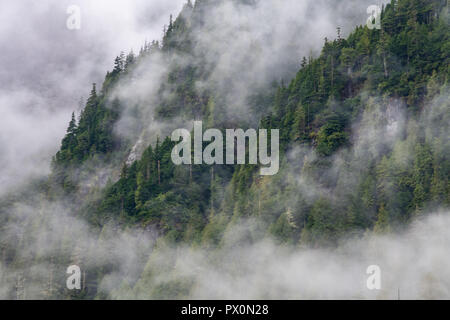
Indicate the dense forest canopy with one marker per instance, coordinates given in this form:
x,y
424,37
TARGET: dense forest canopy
x,y
364,146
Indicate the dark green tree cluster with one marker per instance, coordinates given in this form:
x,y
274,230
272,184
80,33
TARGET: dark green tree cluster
x,y
317,110
325,190
406,61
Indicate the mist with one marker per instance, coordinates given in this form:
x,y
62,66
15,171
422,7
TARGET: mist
x,y
273,37
48,68
414,264
414,261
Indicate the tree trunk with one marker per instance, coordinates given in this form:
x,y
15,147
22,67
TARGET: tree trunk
x,y
159,172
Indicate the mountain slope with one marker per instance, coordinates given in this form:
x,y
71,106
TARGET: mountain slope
x,y
363,142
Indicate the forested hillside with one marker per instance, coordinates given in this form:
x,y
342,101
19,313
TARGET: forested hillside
x,y
364,146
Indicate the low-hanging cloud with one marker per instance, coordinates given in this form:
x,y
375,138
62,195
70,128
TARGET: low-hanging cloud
x,y
414,263
47,68
273,36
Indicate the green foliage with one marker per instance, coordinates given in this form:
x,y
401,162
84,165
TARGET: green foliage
x,y
403,60
308,202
